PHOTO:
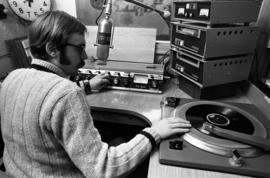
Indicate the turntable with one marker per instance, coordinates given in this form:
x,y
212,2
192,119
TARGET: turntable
x,y
225,137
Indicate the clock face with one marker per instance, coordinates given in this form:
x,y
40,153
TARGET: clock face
x,y
29,9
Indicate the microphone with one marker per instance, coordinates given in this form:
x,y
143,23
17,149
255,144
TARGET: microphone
x,y
104,35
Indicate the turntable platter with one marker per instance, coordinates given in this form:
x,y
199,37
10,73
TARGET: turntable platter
x,y
203,149
221,116
224,116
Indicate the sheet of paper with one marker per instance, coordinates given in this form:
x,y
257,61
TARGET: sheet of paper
x,y
129,44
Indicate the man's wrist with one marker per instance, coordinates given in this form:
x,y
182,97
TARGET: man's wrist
x,y
85,85
152,135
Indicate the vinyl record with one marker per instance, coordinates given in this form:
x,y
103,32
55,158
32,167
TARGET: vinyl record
x,y
223,117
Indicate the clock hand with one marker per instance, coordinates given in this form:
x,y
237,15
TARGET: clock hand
x,y
29,2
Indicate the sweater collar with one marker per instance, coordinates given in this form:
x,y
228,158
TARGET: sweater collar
x,y
49,66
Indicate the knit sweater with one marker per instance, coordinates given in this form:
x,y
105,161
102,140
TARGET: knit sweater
x,y
48,130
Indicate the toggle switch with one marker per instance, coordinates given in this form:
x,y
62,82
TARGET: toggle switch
x,y
236,160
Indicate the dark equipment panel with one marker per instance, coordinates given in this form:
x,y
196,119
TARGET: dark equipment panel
x,y
214,42
216,11
213,72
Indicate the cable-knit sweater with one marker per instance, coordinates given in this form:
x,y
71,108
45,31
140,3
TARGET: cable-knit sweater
x,y
48,130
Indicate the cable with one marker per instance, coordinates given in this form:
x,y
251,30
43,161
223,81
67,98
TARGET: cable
x,y
161,60
256,65
255,76
165,15
5,55
101,12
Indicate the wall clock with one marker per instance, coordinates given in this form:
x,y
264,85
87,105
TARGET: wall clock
x,y
29,9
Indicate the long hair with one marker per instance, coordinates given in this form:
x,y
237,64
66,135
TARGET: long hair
x,y
53,27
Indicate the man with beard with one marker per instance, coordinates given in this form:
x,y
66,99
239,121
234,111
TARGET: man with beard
x,y
47,127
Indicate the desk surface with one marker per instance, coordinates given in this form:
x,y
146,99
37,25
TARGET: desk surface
x,y
147,106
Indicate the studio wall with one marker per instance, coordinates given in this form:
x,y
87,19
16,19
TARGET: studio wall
x,y
12,27
125,14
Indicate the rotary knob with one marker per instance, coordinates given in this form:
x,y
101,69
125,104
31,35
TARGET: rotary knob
x,y
126,81
110,78
116,80
153,83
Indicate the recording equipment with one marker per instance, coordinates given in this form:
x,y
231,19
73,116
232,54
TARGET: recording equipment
x,y
212,45
208,42
216,11
105,34
214,92
128,76
225,136
212,72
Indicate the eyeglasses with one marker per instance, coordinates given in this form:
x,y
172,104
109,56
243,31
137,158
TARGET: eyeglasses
x,y
81,49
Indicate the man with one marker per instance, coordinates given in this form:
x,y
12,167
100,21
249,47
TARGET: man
x,y
46,123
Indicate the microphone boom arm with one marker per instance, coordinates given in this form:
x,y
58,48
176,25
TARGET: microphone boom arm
x,y
164,14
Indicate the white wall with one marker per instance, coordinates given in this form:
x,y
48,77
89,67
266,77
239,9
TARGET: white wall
x,y
68,6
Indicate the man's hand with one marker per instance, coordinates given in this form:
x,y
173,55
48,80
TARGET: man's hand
x,y
99,81
170,126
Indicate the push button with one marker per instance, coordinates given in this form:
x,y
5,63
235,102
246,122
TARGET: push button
x,y
176,145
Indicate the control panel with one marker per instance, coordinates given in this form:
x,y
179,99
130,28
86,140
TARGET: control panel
x,y
216,11
127,76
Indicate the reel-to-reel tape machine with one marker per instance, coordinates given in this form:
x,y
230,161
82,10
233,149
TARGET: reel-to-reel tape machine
x,y
226,137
